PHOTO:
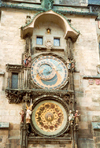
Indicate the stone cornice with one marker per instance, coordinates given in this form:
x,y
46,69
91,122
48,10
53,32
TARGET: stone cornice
x,y
16,6
17,95
91,77
13,67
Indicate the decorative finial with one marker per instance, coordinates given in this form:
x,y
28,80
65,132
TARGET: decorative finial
x,y
48,4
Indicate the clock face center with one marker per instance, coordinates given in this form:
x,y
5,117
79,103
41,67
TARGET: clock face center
x,y
46,70
49,116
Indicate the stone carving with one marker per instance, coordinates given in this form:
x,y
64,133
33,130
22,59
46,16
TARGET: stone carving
x,y
14,96
23,128
48,4
51,4
97,81
18,96
71,65
96,8
27,61
91,81
28,19
49,44
71,117
11,67
26,98
98,69
69,49
28,113
77,118
27,46
22,113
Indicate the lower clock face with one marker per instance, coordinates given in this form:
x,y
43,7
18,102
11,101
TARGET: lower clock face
x,y
49,117
49,72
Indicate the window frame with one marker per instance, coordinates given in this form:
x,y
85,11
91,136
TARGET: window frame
x,y
41,38
12,79
59,41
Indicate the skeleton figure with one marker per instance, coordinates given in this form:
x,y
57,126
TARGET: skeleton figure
x,y
77,118
69,49
71,117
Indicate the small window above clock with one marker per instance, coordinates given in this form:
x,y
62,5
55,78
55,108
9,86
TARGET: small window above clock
x,y
39,40
56,41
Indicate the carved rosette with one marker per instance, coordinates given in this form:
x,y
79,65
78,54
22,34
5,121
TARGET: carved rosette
x,y
49,117
49,44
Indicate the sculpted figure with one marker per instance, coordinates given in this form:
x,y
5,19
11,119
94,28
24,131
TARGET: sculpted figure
x,y
77,117
28,113
69,49
22,113
27,46
71,117
27,61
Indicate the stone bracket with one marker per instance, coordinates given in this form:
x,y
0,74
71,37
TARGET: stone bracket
x,y
56,140
16,95
91,77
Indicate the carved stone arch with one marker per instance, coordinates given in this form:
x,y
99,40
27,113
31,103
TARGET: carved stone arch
x,y
54,17
49,53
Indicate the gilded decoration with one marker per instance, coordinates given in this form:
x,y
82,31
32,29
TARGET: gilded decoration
x,y
49,117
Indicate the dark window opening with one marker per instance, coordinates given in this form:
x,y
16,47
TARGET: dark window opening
x,y
14,82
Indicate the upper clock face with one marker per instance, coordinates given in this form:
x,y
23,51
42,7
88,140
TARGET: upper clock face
x,y
49,72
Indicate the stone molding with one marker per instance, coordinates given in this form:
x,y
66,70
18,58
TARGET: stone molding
x,y
13,67
64,24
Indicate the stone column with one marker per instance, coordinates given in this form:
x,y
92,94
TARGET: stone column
x,y
23,136
69,49
25,78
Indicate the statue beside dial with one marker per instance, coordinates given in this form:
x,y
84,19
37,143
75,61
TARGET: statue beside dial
x,y
49,72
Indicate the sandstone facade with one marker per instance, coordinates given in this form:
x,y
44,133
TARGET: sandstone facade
x,y
86,80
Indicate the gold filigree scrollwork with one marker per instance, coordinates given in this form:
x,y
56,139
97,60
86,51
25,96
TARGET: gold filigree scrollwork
x,y
49,117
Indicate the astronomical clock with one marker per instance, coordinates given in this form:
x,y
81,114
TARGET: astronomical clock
x,y
44,81
50,114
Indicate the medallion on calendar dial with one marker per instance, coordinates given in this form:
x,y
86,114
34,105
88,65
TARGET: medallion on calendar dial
x,y
49,72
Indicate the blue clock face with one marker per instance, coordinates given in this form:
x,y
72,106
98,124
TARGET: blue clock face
x,y
49,72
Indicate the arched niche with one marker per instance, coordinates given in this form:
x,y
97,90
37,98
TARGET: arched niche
x,y
50,16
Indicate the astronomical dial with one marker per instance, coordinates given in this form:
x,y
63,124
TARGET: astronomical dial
x,y
49,72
